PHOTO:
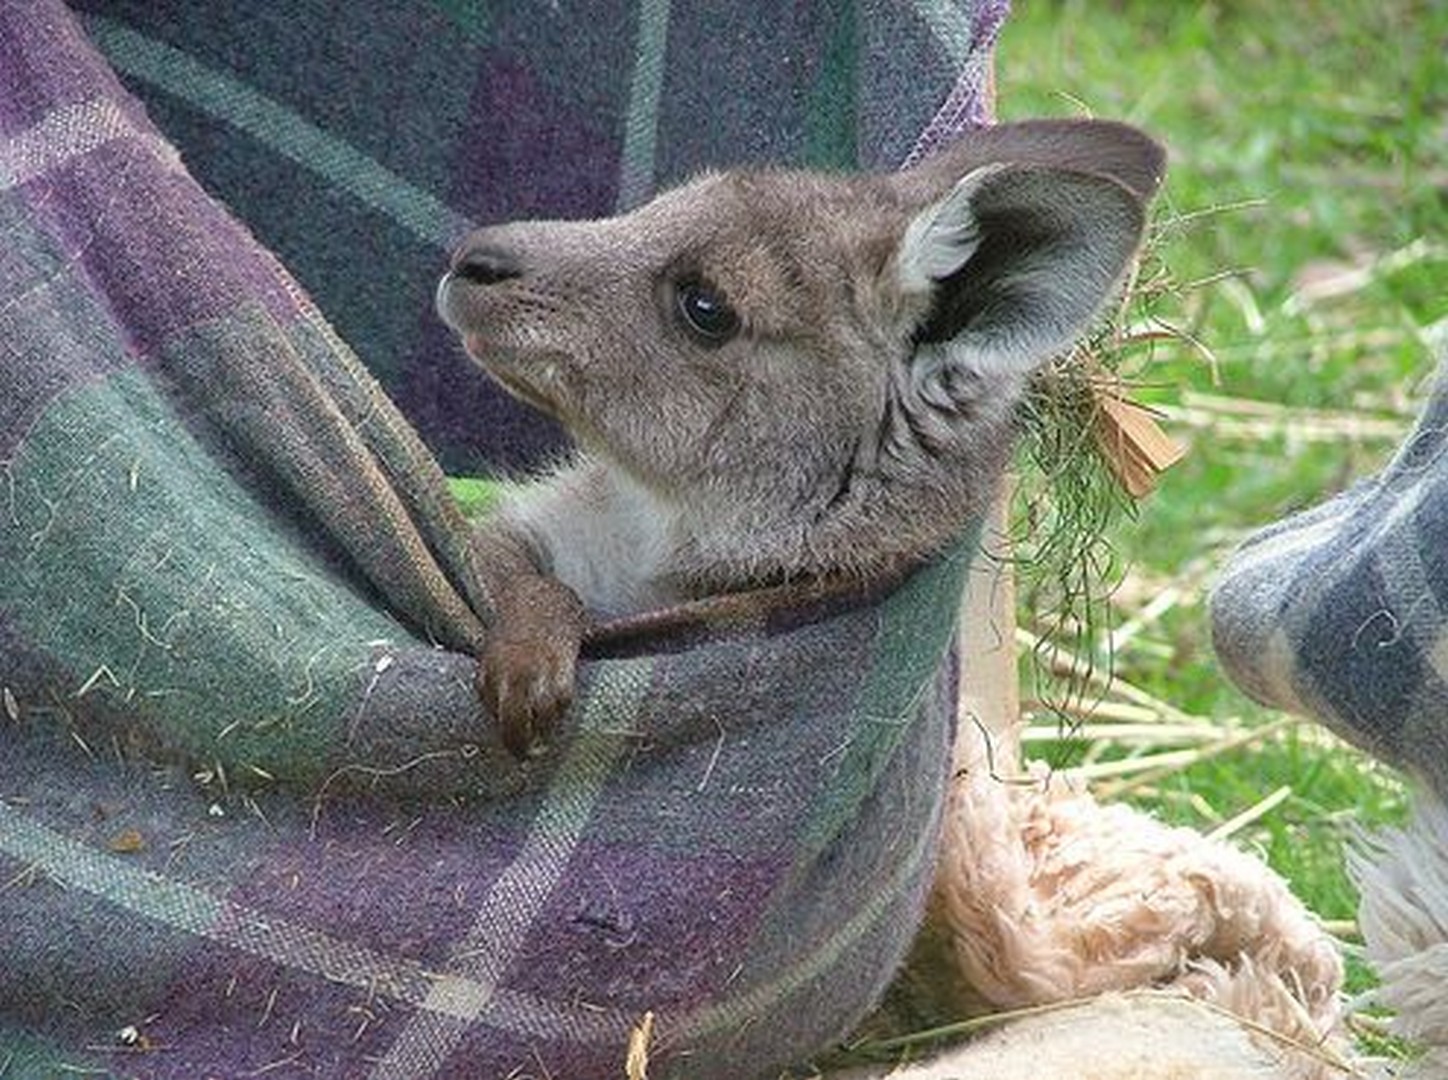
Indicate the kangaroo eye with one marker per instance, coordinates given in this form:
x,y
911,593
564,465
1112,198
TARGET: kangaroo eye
x,y
706,314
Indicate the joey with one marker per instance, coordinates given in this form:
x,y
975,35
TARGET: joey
x,y
772,374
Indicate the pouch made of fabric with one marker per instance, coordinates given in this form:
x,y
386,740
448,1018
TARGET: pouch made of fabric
x,y
252,820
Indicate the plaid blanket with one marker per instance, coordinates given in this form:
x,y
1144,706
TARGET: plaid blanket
x,y
1340,612
251,819
1337,612
359,140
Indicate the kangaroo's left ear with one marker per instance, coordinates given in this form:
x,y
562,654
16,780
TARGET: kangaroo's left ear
x,y
1025,230
1016,260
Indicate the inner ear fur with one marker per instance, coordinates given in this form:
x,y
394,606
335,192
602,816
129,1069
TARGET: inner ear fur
x,y
1023,232
1038,251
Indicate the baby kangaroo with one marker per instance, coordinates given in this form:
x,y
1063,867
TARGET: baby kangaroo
x,y
771,374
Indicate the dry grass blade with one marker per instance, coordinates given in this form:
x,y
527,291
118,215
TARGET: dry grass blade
x,y
637,1064
1101,711
1315,1051
1243,418
1324,280
1154,610
961,1028
1318,1051
1256,812
1147,734
1164,761
1294,347
1196,756
1343,929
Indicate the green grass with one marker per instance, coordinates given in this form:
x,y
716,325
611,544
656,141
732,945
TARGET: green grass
x,y
1307,140
475,495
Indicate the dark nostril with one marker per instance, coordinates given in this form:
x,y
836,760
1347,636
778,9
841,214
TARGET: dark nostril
x,y
487,265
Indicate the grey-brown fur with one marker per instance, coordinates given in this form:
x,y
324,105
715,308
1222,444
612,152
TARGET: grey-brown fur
x,y
858,416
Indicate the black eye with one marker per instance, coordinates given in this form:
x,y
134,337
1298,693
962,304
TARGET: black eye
x,y
706,314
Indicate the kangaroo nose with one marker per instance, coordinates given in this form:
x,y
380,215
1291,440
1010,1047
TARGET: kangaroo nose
x,y
486,265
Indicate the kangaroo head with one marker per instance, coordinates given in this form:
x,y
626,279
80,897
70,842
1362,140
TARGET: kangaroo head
x,y
812,371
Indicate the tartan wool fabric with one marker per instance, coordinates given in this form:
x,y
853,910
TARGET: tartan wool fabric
x,y
358,141
252,821
1341,612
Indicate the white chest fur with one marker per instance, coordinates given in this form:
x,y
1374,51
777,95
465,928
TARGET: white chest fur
x,y
606,537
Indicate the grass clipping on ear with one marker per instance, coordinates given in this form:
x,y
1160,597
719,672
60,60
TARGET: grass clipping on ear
x,y
1087,454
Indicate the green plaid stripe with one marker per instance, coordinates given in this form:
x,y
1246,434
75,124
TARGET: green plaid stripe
x,y
864,921
140,565
641,119
26,1057
283,130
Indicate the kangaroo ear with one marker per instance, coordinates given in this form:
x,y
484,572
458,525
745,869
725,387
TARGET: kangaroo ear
x,y
1026,229
1099,147
1015,260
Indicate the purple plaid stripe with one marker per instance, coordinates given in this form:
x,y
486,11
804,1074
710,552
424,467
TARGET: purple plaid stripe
x,y
358,883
